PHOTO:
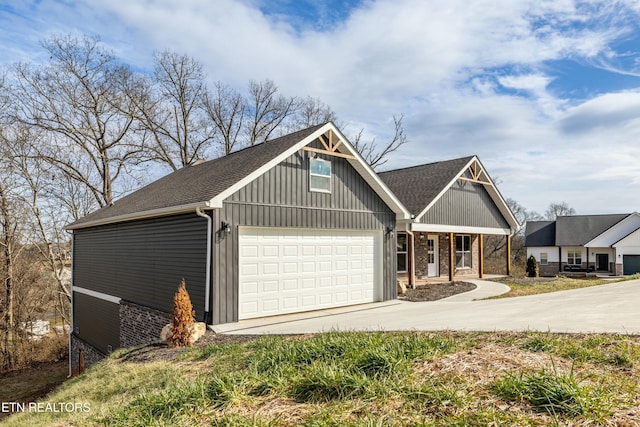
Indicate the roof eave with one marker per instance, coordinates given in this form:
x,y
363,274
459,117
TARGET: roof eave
x,y
154,213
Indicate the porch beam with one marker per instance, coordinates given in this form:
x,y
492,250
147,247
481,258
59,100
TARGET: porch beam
x,y
452,258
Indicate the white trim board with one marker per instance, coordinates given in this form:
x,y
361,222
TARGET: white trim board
x,y
96,294
443,228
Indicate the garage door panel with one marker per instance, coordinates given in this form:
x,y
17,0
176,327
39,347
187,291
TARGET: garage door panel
x,y
631,264
311,269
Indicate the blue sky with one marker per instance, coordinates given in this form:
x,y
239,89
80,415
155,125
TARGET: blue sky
x,y
545,92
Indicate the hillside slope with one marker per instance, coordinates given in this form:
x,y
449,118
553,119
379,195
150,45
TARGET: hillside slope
x,y
341,378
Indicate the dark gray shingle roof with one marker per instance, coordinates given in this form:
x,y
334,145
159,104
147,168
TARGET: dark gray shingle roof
x,y
576,230
540,233
198,183
417,186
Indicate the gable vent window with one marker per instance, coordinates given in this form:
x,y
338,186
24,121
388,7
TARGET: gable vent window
x,y
320,175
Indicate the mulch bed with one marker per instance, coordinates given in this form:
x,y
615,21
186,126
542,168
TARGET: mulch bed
x,y
436,291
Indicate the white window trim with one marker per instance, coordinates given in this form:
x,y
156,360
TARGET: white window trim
x,y
463,252
320,190
406,253
571,260
544,260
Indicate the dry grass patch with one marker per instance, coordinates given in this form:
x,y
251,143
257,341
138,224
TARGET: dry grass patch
x,y
483,365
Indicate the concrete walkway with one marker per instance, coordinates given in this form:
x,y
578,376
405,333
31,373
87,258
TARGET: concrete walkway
x,y
484,289
613,307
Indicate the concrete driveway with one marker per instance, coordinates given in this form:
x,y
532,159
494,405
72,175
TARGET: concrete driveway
x,y
613,307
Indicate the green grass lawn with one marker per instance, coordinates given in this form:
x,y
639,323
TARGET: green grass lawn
x,y
365,379
522,286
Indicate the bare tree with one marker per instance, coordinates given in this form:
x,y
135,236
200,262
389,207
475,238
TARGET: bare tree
x,y
309,112
226,108
377,155
557,209
7,244
78,98
266,110
38,190
170,107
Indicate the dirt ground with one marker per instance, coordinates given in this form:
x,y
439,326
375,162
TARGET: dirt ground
x,y
32,384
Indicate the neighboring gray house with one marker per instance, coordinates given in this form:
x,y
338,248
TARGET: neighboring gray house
x,y
297,223
453,205
607,244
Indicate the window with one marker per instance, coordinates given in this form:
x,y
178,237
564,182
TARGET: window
x,y
463,251
431,252
574,257
544,258
320,175
401,249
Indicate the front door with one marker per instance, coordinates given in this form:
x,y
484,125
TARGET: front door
x,y
432,256
602,262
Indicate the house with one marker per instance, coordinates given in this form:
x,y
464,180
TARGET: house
x,y
453,205
297,223
607,244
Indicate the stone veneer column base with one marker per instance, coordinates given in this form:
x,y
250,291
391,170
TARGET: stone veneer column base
x,y
140,325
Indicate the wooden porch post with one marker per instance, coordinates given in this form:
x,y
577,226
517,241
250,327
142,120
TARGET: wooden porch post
x,y
481,255
452,258
509,255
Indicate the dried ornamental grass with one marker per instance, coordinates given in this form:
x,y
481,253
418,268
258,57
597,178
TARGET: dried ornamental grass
x,y
182,318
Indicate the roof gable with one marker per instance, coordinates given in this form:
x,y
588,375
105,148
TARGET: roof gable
x,y
207,184
577,230
616,232
631,239
420,187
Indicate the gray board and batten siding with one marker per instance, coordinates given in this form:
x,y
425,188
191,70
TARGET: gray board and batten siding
x,y
143,261
281,198
99,321
466,204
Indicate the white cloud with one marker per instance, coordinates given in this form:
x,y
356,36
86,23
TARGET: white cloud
x,y
470,77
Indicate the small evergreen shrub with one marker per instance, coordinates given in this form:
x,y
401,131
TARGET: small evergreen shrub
x,y
532,267
182,318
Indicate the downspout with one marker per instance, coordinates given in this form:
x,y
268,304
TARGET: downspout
x,y
199,212
71,304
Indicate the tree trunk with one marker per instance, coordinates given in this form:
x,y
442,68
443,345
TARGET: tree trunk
x,y
7,244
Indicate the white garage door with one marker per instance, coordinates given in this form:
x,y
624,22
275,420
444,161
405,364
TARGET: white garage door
x,y
292,270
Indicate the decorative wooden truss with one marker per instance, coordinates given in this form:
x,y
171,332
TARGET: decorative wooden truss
x,y
330,142
477,174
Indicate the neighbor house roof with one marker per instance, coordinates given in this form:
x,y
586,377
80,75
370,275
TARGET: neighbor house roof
x,y
207,184
576,230
540,233
573,230
418,187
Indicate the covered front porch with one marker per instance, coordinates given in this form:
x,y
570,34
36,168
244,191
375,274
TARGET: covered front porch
x,y
435,257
